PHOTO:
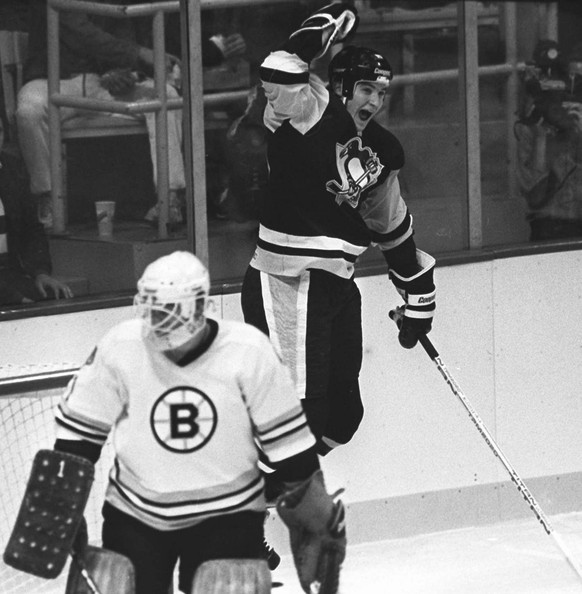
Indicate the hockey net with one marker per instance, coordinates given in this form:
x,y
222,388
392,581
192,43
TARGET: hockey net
x,y
27,425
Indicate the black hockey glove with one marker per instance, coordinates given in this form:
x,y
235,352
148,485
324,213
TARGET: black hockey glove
x,y
418,291
317,534
332,24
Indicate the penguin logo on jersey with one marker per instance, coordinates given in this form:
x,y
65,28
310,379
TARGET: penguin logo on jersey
x,y
358,167
183,419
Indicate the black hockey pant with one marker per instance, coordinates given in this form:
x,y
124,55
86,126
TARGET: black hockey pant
x,y
315,323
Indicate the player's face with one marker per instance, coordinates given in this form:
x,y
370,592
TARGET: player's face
x,y
366,103
166,318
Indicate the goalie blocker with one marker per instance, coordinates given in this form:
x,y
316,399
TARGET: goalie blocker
x,y
317,534
50,514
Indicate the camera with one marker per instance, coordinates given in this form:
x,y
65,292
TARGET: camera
x,y
553,87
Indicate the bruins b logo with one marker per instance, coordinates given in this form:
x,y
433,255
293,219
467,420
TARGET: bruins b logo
x,y
183,419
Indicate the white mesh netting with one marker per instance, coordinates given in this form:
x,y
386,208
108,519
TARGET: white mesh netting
x,y
27,425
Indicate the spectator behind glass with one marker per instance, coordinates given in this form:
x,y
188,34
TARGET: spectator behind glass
x,y
219,43
549,136
100,58
223,48
25,262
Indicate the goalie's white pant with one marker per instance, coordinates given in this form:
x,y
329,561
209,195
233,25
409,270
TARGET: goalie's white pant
x,y
33,125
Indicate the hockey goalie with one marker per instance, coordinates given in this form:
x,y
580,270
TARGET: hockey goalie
x,y
187,399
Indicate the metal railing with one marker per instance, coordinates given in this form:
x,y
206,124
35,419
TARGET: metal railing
x,y
509,69
159,106
36,381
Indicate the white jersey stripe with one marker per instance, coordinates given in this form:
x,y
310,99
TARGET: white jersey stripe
x,y
269,314
266,442
291,265
180,516
80,428
270,431
301,335
311,242
200,499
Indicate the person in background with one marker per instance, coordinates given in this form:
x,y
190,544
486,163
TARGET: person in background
x,y
549,143
219,42
100,58
25,262
223,48
332,191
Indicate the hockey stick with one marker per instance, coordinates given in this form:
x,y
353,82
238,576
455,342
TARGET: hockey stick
x,y
431,351
84,573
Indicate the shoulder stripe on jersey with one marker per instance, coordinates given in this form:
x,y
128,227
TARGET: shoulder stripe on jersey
x,y
280,77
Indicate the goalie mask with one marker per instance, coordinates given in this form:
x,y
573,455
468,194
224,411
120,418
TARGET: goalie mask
x,y
171,300
356,64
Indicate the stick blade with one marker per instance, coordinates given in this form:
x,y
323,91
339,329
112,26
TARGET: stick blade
x,y
111,572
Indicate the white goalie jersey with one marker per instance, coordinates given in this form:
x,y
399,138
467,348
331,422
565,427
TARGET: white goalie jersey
x,y
185,434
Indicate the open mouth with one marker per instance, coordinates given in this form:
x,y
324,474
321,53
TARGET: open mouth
x,y
364,115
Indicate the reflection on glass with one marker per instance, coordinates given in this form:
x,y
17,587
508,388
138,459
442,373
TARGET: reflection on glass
x,y
425,116
519,181
110,82
530,134
549,141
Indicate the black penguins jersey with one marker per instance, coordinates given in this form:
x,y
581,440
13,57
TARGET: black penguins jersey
x,y
332,192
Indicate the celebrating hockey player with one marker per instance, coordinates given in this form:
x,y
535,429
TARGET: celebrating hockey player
x,y
333,191
186,399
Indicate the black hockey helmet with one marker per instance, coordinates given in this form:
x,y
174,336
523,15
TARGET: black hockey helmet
x,y
354,64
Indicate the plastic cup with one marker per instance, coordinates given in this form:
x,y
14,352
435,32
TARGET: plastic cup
x,y
105,211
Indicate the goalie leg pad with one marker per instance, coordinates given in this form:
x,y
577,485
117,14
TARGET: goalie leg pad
x,y
110,572
317,534
232,576
50,514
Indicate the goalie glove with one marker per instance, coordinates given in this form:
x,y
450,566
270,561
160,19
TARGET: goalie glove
x,y
317,534
418,291
332,24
